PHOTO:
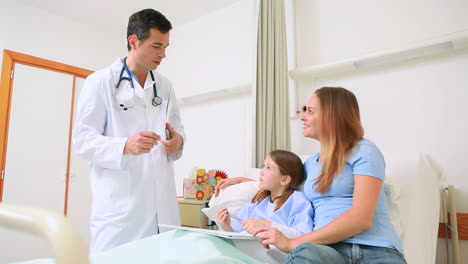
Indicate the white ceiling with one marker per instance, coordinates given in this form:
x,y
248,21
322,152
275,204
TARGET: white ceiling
x,y
112,15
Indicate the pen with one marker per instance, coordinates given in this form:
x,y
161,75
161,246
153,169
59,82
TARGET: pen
x,y
235,217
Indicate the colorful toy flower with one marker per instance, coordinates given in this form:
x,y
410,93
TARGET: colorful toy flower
x,y
205,177
201,172
221,174
210,194
200,195
199,179
212,181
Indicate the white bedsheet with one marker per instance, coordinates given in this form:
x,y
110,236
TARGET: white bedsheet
x,y
175,247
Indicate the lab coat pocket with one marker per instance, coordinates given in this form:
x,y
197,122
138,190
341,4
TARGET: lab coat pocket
x,y
124,97
110,192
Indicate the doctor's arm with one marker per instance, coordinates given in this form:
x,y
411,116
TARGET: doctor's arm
x,y
174,145
174,141
352,222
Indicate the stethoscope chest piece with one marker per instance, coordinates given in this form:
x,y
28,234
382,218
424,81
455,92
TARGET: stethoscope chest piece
x,y
156,101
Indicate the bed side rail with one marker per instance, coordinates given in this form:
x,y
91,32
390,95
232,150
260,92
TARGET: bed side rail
x,y
66,243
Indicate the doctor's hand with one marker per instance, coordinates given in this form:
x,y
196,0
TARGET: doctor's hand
x,y
252,224
141,142
272,236
173,144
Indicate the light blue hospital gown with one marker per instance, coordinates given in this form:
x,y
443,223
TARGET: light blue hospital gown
x,y
293,219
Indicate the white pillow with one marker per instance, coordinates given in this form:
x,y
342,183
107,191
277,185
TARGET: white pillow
x,y
417,201
232,198
392,192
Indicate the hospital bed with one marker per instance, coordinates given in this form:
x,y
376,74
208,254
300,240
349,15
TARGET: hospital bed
x,y
416,198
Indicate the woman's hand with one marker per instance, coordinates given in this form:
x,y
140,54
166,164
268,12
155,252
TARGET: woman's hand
x,y
271,236
252,224
228,182
224,221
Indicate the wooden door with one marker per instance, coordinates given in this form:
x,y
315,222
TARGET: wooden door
x,y
36,113
37,146
79,191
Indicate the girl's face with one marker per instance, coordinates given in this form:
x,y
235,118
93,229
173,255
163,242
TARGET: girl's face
x,y
309,117
270,176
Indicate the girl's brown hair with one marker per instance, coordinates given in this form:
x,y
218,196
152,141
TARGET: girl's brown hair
x,y
289,164
339,128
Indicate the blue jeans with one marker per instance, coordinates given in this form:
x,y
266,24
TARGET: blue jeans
x,y
344,253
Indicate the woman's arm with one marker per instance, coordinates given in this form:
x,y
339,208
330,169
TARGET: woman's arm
x,y
355,220
289,232
352,222
228,182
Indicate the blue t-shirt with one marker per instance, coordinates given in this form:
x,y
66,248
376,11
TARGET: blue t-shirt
x,y
365,159
296,213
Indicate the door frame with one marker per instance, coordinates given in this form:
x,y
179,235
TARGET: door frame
x,y
10,58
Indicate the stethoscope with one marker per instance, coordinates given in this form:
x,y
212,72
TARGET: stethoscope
x,y
156,99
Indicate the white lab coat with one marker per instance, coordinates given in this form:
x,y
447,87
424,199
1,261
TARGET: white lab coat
x,y
131,194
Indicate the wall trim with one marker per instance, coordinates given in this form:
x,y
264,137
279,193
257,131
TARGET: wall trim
x,y
432,47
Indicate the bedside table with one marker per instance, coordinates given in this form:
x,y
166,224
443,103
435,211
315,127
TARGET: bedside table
x,y
191,214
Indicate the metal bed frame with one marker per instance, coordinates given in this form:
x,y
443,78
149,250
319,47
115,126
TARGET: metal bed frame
x,y
448,206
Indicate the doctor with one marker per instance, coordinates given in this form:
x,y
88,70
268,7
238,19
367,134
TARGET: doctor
x,y
128,127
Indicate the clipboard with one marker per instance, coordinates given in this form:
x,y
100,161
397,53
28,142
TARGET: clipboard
x,y
219,233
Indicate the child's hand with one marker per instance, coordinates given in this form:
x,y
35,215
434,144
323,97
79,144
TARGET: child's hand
x,y
224,221
252,224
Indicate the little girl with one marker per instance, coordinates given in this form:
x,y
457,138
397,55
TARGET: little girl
x,y
276,204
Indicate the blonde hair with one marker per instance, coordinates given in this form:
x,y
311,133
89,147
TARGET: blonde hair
x,y
340,129
289,164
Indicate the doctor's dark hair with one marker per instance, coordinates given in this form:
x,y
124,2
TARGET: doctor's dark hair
x,y
290,165
142,21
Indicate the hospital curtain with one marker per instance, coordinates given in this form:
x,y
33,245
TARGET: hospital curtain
x,y
272,124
